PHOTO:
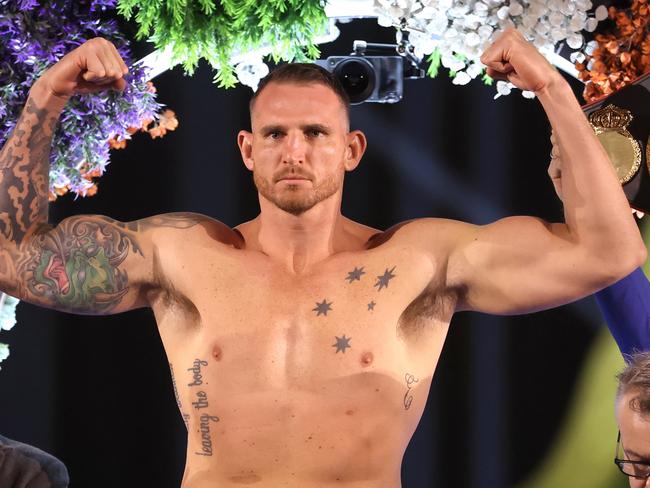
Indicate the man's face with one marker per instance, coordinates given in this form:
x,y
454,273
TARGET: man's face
x,y
300,145
635,435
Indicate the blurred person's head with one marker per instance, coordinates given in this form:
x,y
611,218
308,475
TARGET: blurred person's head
x,y
633,415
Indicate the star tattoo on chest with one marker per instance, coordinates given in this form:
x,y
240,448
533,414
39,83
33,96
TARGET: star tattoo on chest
x,y
371,306
342,343
383,280
355,274
322,308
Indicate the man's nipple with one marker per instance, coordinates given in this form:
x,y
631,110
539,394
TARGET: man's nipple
x,y
216,353
367,358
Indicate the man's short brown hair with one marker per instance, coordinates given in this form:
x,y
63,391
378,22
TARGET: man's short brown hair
x,y
635,378
303,73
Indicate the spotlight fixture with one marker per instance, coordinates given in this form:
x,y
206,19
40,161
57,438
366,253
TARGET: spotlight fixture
x,y
378,79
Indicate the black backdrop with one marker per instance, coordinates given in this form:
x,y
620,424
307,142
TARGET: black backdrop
x,y
96,392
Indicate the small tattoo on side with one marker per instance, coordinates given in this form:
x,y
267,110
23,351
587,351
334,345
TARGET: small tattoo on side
x,y
383,280
322,308
408,398
371,306
355,274
342,343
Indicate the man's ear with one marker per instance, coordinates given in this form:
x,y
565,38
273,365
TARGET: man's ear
x,y
356,146
245,143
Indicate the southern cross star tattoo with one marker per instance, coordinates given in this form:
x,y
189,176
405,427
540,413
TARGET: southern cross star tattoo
x,y
382,280
355,274
371,306
322,308
342,343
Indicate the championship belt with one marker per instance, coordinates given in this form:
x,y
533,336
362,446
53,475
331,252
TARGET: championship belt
x,y
622,123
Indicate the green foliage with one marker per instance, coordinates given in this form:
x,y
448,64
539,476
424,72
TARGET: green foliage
x,y
434,63
215,30
488,80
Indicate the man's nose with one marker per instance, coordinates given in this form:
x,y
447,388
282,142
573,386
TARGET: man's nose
x,y
295,149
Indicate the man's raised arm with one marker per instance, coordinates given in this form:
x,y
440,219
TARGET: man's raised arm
x,y
523,264
80,265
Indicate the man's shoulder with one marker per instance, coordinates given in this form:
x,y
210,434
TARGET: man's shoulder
x,y
175,225
420,230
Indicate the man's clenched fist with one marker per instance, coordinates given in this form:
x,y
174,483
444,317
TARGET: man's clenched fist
x,y
94,66
511,57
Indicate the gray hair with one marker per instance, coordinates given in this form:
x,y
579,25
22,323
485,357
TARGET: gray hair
x,y
635,378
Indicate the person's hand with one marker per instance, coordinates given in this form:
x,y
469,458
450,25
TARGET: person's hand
x,y
555,167
94,66
512,58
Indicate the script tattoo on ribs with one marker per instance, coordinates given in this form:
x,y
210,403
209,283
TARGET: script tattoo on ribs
x,y
24,166
199,404
76,264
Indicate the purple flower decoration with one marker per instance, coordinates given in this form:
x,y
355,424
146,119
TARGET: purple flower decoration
x,y
36,34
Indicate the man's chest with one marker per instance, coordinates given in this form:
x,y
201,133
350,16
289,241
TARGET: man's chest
x,y
345,315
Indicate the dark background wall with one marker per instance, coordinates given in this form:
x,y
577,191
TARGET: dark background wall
x,y
96,391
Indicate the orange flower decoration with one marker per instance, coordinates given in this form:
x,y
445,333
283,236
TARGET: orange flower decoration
x,y
115,144
167,121
621,56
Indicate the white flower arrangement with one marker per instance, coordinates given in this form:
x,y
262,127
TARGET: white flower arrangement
x,y
7,320
251,70
454,33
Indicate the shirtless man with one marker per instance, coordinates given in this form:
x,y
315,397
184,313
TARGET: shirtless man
x,y
302,343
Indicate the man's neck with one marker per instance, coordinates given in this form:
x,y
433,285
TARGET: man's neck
x,y
300,241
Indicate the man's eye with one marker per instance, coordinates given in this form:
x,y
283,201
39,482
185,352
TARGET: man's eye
x,y
274,135
315,132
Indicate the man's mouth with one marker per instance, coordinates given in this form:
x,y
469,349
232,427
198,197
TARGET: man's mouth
x,y
292,178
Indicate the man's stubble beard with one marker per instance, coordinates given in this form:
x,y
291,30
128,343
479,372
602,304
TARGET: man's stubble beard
x,y
295,199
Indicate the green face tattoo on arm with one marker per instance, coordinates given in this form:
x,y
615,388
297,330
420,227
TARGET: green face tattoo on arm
x,y
77,264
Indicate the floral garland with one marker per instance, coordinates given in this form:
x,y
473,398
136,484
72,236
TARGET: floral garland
x,y
216,30
454,33
618,57
33,36
7,320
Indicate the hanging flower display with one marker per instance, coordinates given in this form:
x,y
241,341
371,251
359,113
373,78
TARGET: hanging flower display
x,y
620,55
7,320
251,70
216,30
33,36
454,33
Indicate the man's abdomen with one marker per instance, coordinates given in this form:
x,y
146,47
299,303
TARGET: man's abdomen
x,y
349,431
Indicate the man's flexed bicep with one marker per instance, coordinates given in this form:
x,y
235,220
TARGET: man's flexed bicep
x,y
524,264
87,264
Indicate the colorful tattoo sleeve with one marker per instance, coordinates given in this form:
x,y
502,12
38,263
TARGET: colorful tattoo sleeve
x,y
79,265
